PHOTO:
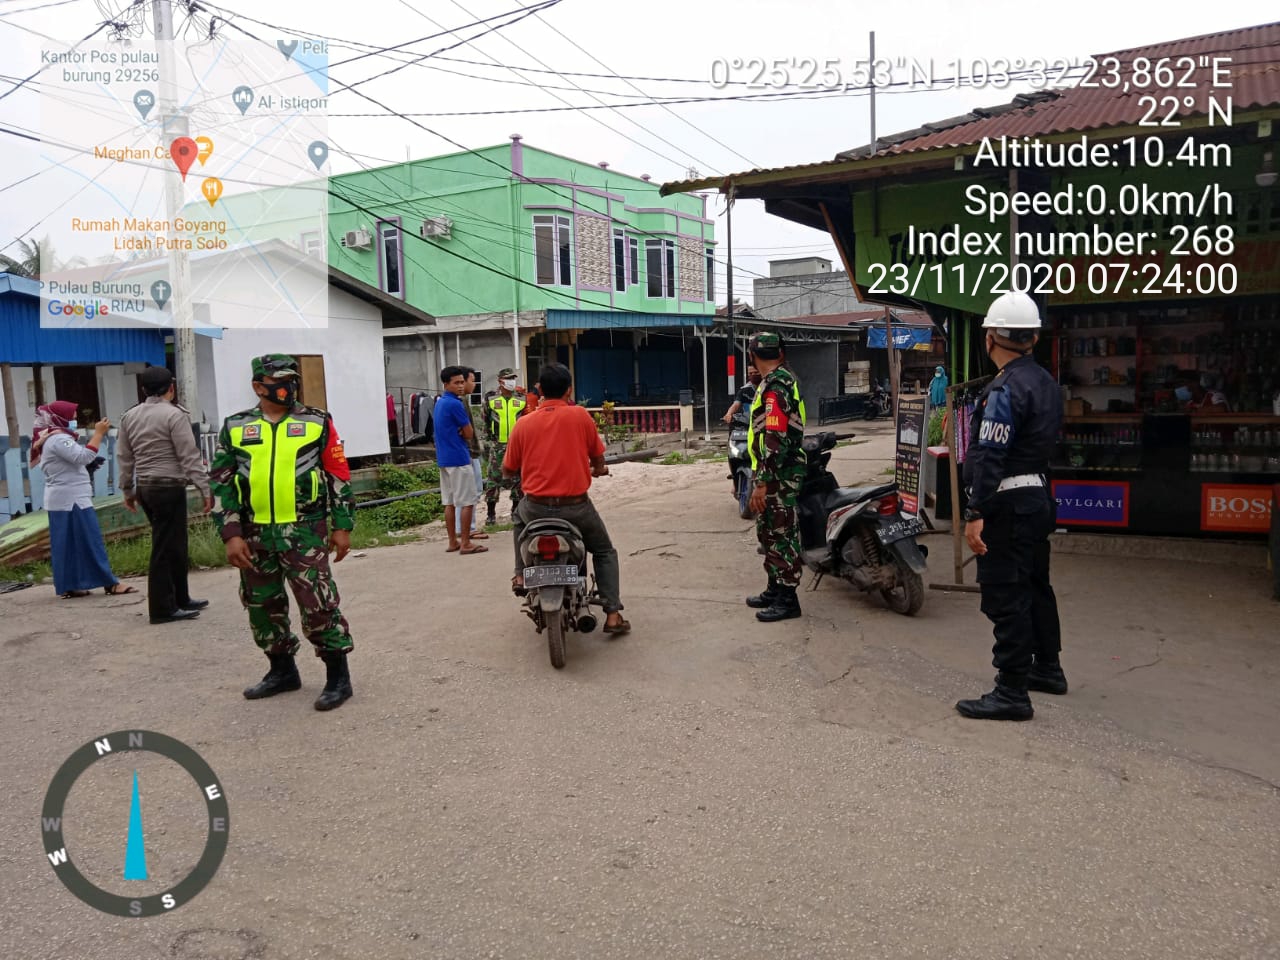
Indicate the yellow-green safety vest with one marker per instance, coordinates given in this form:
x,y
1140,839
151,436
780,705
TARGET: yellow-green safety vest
x,y
279,467
756,401
505,411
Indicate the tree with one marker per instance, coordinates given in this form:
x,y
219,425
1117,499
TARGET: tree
x,y
36,254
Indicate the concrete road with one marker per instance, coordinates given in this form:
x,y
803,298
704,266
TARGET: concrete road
x,y
707,787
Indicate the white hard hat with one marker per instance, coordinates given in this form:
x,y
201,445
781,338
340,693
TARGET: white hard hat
x,y
1013,311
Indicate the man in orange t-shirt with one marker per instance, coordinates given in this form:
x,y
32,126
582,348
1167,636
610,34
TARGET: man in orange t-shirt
x,y
556,450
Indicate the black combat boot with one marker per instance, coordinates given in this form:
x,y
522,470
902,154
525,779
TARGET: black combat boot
x,y
765,599
1046,677
786,605
492,518
281,678
337,687
1008,701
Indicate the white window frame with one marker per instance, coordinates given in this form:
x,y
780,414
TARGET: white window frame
x,y
711,274
562,272
667,268
386,230
311,244
619,258
633,261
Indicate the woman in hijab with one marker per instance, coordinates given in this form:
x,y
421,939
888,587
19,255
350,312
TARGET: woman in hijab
x,y
938,388
75,539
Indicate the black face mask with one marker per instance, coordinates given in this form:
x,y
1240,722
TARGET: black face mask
x,y
284,393
755,379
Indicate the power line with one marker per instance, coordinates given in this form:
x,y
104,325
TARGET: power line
x,y
642,93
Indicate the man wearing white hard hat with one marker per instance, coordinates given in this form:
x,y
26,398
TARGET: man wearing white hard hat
x,y
1011,513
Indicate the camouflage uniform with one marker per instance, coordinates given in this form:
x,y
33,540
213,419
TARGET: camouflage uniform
x,y
294,551
497,447
776,434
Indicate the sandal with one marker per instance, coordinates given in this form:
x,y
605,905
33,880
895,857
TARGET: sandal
x,y
75,594
479,536
617,629
114,591
475,548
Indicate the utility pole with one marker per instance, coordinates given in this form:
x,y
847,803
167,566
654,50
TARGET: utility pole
x,y
174,124
871,73
732,342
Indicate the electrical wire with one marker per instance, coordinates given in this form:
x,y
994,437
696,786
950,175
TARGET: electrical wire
x,y
631,84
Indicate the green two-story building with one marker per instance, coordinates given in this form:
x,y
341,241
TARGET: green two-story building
x,y
524,256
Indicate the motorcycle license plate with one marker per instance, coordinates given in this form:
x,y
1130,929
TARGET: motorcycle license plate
x,y
551,575
899,530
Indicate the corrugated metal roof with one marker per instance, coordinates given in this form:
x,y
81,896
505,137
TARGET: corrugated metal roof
x,y
1255,83
1255,74
622,319
23,341
912,318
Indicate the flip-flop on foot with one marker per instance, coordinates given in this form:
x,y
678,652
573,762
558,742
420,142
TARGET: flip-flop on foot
x,y
453,549
617,629
475,548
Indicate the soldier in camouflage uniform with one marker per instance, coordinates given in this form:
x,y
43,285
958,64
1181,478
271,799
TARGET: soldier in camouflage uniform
x,y
282,484
501,410
775,439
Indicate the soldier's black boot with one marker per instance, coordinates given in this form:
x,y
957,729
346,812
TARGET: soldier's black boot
x,y
281,678
764,599
492,518
1008,701
786,605
337,687
1047,677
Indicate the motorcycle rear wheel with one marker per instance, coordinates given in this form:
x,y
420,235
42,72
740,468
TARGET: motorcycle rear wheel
x,y
555,639
907,595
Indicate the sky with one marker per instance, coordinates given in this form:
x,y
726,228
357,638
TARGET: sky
x,y
663,40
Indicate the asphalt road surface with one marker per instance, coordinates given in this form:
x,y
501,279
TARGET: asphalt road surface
x,y
706,787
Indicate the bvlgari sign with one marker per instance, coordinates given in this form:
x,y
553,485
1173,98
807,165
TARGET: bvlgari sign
x,y
1096,503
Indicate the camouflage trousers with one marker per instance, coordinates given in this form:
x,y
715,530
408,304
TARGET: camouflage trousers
x,y
779,534
496,482
292,553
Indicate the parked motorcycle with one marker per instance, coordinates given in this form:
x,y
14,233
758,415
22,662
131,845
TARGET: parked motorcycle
x,y
879,403
740,467
556,594
859,533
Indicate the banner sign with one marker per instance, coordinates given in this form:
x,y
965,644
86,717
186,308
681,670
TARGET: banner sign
x,y
1092,503
1235,507
913,415
904,338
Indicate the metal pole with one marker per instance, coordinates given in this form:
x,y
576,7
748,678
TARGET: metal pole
x,y
731,342
706,391
871,73
175,125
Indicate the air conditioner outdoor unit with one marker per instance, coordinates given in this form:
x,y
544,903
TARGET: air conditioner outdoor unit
x,y
436,227
357,240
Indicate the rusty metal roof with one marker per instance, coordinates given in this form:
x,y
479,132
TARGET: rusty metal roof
x,y
1254,78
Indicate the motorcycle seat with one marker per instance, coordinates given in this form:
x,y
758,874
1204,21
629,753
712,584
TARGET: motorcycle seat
x,y
843,496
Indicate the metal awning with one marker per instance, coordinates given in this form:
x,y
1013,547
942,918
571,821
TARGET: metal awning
x,y
624,320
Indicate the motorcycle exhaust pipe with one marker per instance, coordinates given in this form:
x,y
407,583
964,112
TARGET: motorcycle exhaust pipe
x,y
586,623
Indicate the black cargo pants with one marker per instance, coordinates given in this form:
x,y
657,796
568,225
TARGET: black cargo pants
x,y
1014,578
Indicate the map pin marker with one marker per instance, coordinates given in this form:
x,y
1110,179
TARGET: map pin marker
x,y
318,152
287,47
212,190
206,148
160,291
143,101
184,152
242,97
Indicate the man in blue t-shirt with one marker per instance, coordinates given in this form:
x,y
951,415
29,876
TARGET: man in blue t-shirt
x,y
453,432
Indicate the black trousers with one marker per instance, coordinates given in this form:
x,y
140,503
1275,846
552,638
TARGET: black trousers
x,y
166,508
1014,577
